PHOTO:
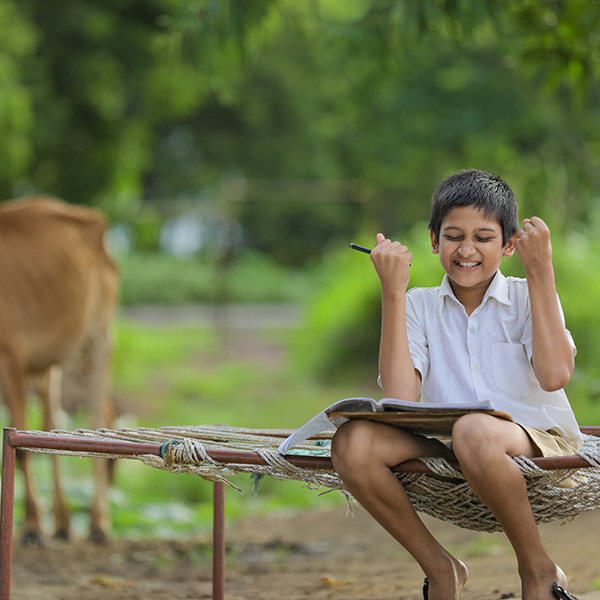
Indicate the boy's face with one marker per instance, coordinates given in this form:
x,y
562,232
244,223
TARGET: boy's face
x,y
470,249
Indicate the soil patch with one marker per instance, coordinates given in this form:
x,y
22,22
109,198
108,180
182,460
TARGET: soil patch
x,y
318,554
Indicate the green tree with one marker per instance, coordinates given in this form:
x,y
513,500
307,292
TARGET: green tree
x,y
392,95
19,42
91,85
123,101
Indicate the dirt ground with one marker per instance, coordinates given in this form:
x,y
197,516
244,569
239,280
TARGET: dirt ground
x,y
317,555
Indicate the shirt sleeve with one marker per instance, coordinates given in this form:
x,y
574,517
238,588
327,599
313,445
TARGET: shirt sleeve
x,y
417,335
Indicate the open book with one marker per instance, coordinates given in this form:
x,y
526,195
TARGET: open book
x,y
420,417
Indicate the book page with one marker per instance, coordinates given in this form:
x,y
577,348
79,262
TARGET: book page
x,y
394,404
426,422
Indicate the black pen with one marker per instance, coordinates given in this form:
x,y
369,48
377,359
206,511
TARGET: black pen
x,y
363,249
360,248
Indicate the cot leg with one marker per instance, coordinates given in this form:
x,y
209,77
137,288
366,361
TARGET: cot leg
x,y
7,513
218,541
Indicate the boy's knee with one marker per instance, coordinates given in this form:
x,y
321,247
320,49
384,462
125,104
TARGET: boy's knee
x,y
472,433
351,442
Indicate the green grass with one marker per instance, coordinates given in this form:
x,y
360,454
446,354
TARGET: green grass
x,y
184,376
484,545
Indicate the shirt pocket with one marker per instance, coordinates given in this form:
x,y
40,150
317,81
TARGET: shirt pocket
x,y
513,373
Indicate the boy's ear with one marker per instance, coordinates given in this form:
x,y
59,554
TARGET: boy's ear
x,y
509,249
435,247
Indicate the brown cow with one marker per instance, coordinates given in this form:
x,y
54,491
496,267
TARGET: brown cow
x,y
58,291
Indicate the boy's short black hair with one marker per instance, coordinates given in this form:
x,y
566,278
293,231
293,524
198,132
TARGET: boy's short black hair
x,y
483,190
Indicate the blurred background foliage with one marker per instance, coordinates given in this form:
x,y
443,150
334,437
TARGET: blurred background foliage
x,y
300,121
238,146
231,137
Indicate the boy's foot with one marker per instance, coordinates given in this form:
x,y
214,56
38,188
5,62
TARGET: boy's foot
x,y
546,586
446,587
559,586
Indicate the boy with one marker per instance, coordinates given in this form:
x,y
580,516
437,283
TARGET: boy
x,y
479,335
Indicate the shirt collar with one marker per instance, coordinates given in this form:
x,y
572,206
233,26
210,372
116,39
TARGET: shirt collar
x,y
498,290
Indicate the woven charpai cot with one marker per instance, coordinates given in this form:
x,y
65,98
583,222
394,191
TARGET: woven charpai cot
x,y
559,494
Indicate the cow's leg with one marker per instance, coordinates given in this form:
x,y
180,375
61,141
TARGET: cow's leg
x,y
14,386
49,390
98,377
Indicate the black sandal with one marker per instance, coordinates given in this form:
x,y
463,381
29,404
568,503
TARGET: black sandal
x,y
559,592
426,589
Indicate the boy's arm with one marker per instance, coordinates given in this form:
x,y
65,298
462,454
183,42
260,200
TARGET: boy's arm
x,y
399,378
552,358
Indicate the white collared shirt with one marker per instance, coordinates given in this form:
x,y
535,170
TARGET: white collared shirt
x,y
485,355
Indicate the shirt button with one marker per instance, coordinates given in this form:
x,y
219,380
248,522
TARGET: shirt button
x,y
473,330
477,366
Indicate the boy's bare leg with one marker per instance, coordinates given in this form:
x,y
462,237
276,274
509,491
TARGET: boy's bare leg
x,y
363,453
484,446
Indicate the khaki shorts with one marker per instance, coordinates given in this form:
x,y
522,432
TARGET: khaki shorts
x,y
549,443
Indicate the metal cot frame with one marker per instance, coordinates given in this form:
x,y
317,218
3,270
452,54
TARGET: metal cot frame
x,y
14,439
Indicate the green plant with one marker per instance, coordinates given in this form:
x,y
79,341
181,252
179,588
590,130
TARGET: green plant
x,y
484,545
165,279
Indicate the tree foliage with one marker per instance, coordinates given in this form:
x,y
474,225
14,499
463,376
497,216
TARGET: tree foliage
x,y
395,95
91,85
330,117
309,124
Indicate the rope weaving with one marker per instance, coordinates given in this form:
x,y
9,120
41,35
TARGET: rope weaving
x,y
554,495
188,455
561,494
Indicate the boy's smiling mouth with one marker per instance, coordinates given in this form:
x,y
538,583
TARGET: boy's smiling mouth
x,y
466,264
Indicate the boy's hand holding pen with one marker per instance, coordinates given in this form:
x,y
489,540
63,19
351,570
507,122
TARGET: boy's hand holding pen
x,y
391,261
365,250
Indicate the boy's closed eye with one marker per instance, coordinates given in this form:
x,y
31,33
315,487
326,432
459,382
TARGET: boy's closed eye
x,y
453,238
